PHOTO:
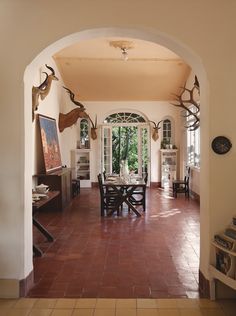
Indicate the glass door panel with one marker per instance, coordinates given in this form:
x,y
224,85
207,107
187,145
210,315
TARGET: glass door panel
x,y
106,149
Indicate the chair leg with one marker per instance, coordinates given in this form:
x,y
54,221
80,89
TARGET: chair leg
x,y
144,202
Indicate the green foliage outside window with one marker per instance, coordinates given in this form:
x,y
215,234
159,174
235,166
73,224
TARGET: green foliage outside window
x,y
125,147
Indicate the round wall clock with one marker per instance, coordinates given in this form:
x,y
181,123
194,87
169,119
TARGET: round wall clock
x,y
221,145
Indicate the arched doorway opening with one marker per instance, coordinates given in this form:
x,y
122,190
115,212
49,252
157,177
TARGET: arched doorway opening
x,y
190,57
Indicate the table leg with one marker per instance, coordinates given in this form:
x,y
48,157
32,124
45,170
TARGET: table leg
x,y
125,199
43,230
38,252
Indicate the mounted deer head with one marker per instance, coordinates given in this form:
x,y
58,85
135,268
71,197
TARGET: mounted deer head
x,y
42,90
191,106
156,127
93,128
67,120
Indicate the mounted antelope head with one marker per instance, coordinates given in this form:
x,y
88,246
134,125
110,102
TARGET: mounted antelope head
x,y
42,90
67,120
191,106
93,128
156,127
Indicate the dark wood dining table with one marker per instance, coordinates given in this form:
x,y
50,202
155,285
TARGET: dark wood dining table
x,y
124,188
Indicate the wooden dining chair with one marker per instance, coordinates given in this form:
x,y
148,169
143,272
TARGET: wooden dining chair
x,y
108,198
181,186
138,197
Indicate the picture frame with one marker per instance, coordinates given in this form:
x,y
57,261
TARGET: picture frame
x,y
50,143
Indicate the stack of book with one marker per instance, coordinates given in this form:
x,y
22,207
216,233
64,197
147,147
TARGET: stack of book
x,y
230,233
223,242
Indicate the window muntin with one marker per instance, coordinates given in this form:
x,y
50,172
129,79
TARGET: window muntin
x,y
124,117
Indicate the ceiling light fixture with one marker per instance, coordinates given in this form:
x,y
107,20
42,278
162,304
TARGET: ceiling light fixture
x,y
124,47
124,53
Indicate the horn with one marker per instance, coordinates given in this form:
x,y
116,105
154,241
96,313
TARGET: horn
x,y
50,68
155,125
72,97
44,82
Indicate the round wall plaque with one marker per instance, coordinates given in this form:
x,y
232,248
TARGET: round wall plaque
x,y
221,145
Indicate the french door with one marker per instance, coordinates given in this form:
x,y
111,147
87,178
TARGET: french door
x,y
142,142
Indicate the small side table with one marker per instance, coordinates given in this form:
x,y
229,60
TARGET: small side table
x,y
36,206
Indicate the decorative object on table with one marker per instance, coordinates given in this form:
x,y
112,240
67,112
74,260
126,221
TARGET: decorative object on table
x,y
124,169
93,128
42,188
70,118
190,106
221,145
42,90
155,129
50,143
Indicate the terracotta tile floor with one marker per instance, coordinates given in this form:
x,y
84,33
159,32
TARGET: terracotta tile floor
x,y
155,256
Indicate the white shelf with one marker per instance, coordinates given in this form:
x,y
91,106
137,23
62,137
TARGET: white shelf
x,y
222,277
168,166
80,158
233,253
225,260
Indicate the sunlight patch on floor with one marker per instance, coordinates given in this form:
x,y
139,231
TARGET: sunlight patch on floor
x,y
168,213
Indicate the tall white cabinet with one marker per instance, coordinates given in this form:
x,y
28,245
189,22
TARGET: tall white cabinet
x,y
81,166
168,167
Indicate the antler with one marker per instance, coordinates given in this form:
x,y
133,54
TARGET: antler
x,y
93,125
70,118
72,97
93,128
155,125
44,83
186,103
50,68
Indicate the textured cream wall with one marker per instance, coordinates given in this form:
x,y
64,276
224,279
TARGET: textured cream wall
x,y
202,32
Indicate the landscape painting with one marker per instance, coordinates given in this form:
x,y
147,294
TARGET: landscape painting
x,y
50,144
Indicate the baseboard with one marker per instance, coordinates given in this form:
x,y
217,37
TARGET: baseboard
x,y
204,286
12,288
195,196
155,185
9,288
26,284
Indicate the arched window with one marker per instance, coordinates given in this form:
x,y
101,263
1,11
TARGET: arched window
x,y
166,133
84,134
124,117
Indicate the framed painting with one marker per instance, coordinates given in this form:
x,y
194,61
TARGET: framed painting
x,y
50,144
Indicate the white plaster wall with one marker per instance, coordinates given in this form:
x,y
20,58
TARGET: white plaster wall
x,y
189,28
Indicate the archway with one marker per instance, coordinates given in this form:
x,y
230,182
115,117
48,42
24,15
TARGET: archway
x,y
160,38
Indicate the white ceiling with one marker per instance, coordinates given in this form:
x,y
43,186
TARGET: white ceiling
x,y
95,71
